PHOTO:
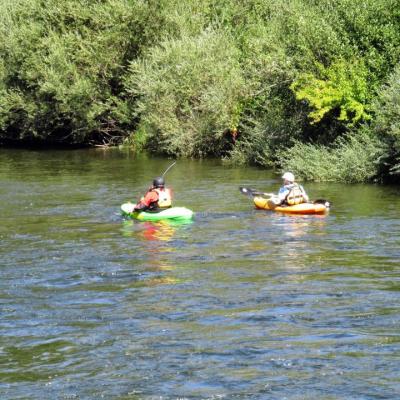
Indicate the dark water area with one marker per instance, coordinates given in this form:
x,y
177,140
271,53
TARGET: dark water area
x,y
238,304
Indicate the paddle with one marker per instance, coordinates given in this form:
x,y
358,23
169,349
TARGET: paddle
x,y
252,193
326,203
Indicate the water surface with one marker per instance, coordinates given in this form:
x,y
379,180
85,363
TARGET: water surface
x,y
238,304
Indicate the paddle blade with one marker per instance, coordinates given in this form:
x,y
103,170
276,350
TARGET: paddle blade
x,y
246,191
326,203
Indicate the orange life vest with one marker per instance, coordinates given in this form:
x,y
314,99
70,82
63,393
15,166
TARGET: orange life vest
x,y
164,197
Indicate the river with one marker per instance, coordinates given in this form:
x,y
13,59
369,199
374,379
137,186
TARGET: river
x,y
238,304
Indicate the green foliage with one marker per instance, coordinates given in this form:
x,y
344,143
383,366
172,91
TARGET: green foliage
x,y
262,134
63,65
387,122
137,140
306,32
188,93
372,30
351,159
344,86
244,80
387,107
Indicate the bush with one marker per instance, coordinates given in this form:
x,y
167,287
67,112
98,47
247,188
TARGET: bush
x,y
188,94
354,158
61,66
263,130
387,122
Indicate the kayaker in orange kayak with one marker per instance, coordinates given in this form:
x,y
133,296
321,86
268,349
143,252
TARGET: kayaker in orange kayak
x,y
158,197
291,193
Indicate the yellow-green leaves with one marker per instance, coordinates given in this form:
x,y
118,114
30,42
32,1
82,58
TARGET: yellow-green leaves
x,y
343,86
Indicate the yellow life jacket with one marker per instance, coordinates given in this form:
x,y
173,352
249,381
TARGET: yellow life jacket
x,y
164,197
295,195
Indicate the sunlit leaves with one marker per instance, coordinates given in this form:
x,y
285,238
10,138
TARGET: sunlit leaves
x,y
343,86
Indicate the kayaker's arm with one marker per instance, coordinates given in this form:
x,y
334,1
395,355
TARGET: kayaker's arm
x,y
140,207
145,203
281,196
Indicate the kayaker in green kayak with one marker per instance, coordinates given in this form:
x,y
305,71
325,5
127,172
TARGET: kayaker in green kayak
x,y
157,198
291,193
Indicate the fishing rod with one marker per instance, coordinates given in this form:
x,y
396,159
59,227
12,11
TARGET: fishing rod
x,y
162,176
168,169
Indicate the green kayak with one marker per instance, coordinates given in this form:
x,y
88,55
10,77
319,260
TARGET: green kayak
x,y
173,213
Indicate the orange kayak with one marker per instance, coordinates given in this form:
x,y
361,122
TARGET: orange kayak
x,y
304,208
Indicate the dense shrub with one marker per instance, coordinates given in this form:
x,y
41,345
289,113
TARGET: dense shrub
x,y
62,68
354,158
387,122
188,93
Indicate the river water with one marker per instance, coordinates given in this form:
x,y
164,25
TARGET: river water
x,y
238,304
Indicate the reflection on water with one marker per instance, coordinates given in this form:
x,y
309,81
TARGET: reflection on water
x,y
156,242
297,226
240,303
162,231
